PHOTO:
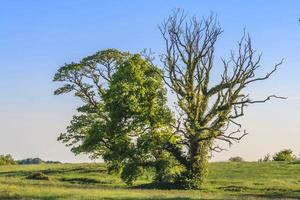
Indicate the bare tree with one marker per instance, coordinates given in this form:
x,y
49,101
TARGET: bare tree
x,y
206,113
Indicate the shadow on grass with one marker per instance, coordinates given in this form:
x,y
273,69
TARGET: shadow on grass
x,y
84,180
262,193
72,185
160,186
235,188
77,170
53,171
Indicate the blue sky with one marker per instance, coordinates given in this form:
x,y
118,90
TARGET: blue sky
x,y
36,37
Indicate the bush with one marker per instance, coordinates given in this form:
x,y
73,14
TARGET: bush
x,y
266,158
38,176
236,159
284,155
7,160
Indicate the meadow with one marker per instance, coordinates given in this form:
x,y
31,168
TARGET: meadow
x,y
227,180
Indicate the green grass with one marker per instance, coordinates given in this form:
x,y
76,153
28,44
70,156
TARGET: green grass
x,y
246,180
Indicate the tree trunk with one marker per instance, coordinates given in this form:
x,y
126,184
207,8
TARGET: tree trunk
x,y
198,170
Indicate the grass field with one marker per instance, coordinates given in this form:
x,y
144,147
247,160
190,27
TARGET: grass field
x,y
245,180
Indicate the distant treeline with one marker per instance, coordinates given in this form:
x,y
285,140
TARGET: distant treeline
x,y
9,160
29,161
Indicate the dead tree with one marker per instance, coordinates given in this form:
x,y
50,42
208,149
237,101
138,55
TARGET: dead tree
x,y
206,112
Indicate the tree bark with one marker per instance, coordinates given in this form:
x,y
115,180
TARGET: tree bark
x,y
198,169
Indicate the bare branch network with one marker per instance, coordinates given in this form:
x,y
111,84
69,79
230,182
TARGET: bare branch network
x,y
188,62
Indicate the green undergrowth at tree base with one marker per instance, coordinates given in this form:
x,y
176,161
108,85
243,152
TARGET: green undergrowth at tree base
x,y
226,180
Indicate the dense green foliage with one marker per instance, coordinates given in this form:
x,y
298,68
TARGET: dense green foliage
x,y
136,104
284,155
226,180
124,118
7,160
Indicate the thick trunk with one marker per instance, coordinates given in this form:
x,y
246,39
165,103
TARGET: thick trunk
x,y
198,170
196,163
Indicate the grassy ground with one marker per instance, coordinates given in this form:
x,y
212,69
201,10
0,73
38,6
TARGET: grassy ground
x,y
247,180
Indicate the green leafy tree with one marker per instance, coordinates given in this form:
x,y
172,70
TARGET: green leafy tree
x,y
284,155
125,119
136,103
88,80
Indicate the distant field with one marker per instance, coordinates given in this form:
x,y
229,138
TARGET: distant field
x,y
247,180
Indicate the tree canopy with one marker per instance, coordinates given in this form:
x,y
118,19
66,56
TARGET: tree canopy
x,y
126,121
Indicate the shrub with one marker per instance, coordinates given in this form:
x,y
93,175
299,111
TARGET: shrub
x,y
7,160
236,159
266,158
38,176
284,155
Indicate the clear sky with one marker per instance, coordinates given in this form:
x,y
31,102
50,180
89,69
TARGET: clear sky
x,y
36,37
